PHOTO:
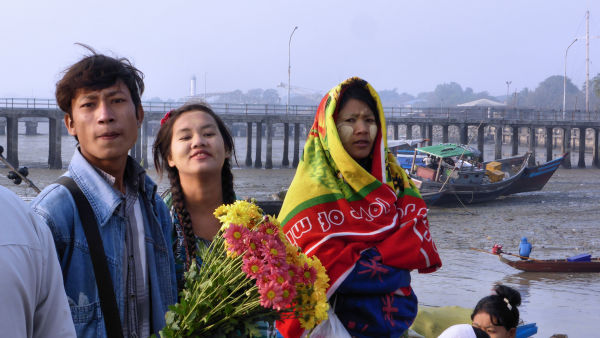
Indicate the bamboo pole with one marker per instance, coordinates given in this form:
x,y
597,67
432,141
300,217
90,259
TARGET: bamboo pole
x,y
10,167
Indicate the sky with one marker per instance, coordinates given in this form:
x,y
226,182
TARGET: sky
x,y
408,45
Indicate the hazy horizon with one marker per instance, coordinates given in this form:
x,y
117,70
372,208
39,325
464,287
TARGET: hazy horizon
x,y
244,45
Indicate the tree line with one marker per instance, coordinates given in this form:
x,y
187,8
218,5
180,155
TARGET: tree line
x,y
548,95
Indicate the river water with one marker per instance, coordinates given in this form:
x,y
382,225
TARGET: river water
x,y
561,220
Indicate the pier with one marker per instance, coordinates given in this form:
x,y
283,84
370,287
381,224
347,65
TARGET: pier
x,y
569,130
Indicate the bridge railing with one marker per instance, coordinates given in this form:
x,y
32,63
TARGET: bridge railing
x,y
28,103
449,113
485,114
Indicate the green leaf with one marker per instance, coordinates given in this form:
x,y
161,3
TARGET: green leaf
x,y
169,317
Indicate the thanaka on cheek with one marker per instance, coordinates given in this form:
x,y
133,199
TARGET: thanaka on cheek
x,y
345,131
373,131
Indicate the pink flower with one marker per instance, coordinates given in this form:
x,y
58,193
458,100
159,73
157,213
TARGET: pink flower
x,y
253,267
269,229
279,275
235,236
296,273
254,243
270,295
309,274
274,252
287,294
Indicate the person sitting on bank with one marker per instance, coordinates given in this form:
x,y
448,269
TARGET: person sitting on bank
x,y
101,98
524,248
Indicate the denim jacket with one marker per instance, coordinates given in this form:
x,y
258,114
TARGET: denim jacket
x,y
57,207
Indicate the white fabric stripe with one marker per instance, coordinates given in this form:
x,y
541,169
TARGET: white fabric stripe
x,y
416,232
382,158
339,281
414,220
339,234
426,257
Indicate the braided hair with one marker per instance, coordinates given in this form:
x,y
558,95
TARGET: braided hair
x,y
502,307
161,151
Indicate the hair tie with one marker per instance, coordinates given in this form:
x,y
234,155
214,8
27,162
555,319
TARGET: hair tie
x,y
508,303
166,117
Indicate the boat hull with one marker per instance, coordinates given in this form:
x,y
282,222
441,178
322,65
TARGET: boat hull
x,y
553,265
535,178
454,193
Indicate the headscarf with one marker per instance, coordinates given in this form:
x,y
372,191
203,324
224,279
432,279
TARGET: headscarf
x,y
335,209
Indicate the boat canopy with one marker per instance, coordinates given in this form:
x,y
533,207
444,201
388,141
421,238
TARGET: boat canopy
x,y
447,150
405,144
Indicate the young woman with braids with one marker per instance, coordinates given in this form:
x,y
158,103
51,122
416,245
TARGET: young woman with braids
x,y
194,147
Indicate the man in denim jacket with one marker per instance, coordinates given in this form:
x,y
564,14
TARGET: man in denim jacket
x,y
100,96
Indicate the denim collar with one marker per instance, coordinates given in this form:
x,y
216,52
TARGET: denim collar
x,y
103,198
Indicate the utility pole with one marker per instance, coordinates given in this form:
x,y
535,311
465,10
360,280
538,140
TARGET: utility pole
x,y
565,80
507,91
587,61
287,106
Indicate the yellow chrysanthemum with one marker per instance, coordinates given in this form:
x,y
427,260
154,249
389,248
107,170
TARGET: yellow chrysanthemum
x,y
321,311
240,212
307,321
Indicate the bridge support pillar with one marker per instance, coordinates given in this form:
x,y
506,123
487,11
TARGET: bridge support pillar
x,y
422,132
548,142
480,139
12,141
497,142
445,133
63,129
514,141
581,161
464,133
395,126
566,147
248,144
285,162
2,127
258,160
136,151
30,128
54,143
295,160
429,134
532,141
269,162
595,157
144,143
409,135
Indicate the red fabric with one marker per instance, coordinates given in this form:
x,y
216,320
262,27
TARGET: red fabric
x,y
337,232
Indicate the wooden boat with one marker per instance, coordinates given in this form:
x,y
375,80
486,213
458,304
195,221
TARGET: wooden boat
x,y
553,265
404,150
464,183
431,197
535,178
270,207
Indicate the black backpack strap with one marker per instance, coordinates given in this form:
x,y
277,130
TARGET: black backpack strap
x,y
106,292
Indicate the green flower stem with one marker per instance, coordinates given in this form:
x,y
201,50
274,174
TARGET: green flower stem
x,y
234,270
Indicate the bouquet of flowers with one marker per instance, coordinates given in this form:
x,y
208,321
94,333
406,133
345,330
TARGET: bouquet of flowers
x,y
249,274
